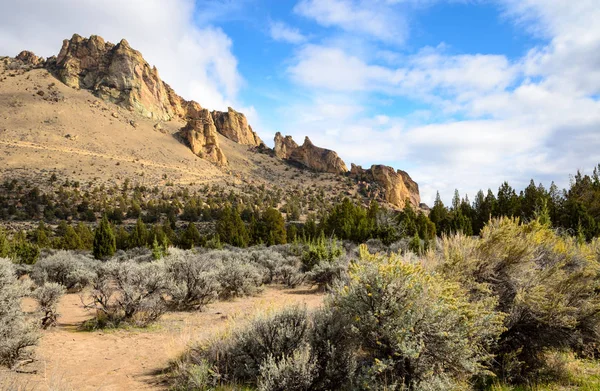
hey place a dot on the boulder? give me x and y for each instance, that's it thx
(201, 135)
(234, 126)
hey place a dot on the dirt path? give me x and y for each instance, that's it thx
(130, 359)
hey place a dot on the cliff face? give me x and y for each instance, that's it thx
(234, 126)
(119, 74)
(284, 146)
(309, 155)
(397, 186)
(201, 135)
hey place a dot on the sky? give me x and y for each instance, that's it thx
(461, 94)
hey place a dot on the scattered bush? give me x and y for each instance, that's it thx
(238, 358)
(238, 279)
(71, 270)
(17, 335)
(290, 373)
(193, 280)
(47, 297)
(128, 292)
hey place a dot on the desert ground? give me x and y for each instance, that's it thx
(135, 359)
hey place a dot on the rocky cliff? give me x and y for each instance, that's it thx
(284, 146)
(234, 126)
(119, 74)
(309, 155)
(397, 186)
(200, 133)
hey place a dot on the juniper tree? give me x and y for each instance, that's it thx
(104, 240)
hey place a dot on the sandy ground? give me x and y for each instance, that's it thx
(68, 359)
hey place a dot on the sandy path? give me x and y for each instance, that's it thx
(132, 359)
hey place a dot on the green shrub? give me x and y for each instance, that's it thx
(545, 283)
(105, 243)
(320, 250)
(415, 329)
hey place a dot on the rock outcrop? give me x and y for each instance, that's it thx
(284, 146)
(119, 74)
(201, 135)
(309, 155)
(397, 186)
(234, 126)
(28, 58)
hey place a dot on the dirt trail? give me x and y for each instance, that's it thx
(131, 359)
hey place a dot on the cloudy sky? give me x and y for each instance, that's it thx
(460, 93)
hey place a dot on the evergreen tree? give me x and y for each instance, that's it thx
(70, 240)
(41, 235)
(190, 238)
(274, 226)
(139, 235)
(104, 240)
(85, 235)
(231, 229)
(439, 215)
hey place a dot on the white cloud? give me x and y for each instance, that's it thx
(196, 61)
(373, 18)
(495, 119)
(284, 33)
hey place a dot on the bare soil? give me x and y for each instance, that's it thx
(135, 359)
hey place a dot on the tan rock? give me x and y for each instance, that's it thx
(284, 146)
(398, 186)
(28, 58)
(309, 155)
(119, 74)
(201, 135)
(234, 126)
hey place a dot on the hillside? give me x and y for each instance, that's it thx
(98, 114)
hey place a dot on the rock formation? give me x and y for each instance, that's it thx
(284, 146)
(28, 58)
(309, 155)
(201, 135)
(234, 126)
(397, 186)
(119, 74)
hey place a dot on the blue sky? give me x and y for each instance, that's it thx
(461, 93)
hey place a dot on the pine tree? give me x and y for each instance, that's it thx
(104, 240)
(139, 235)
(190, 238)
